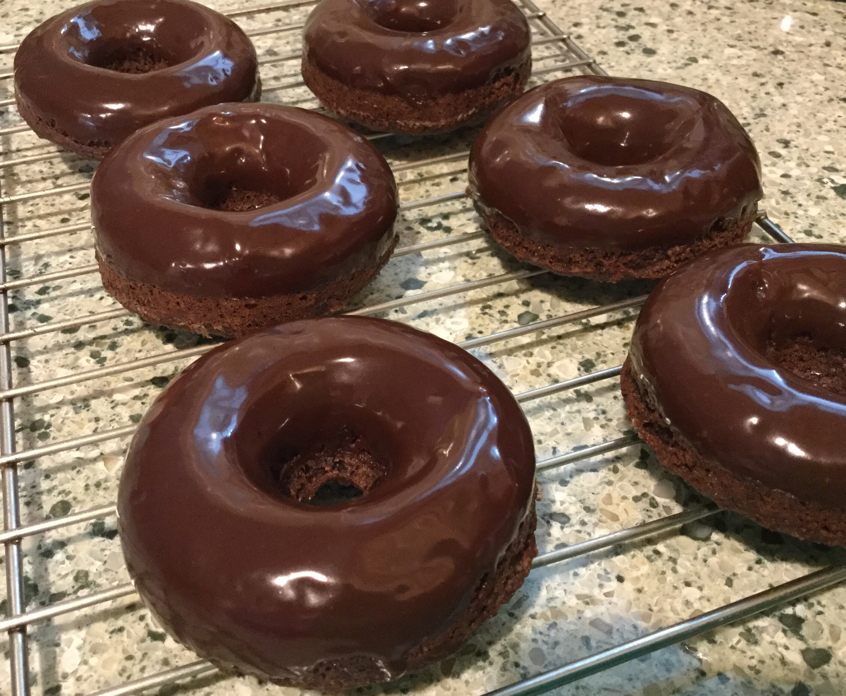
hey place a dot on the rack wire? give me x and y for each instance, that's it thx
(555, 54)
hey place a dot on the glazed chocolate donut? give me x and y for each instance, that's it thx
(241, 216)
(737, 380)
(89, 77)
(222, 536)
(416, 66)
(609, 178)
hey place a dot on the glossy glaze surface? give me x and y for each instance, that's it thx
(416, 49)
(335, 214)
(699, 353)
(275, 586)
(209, 61)
(611, 163)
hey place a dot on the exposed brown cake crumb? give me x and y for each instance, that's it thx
(232, 316)
(132, 60)
(600, 264)
(389, 113)
(771, 508)
(235, 200)
(337, 468)
(823, 366)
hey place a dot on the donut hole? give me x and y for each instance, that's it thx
(617, 126)
(795, 318)
(333, 470)
(135, 37)
(330, 469)
(237, 164)
(324, 457)
(411, 16)
(227, 193)
(805, 356)
(132, 57)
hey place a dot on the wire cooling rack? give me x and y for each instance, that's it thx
(66, 349)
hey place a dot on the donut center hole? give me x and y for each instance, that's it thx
(332, 471)
(236, 161)
(223, 192)
(789, 309)
(617, 127)
(822, 365)
(238, 200)
(412, 16)
(133, 57)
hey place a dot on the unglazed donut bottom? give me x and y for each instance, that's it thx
(241, 216)
(610, 178)
(271, 576)
(416, 67)
(89, 77)
(736, 378)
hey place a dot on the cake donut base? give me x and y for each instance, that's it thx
(389, 113)
(230, 317)
(606, 264)
(48, 130)
(769, 507)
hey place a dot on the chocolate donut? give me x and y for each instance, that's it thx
(222, 536)
(89, 77)
(416, 66)
(737, 380)
(240, 216)
(609, 178)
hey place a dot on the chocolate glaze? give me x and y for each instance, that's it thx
(416, 49)
(209, 61)
(247, 576)
(610, 163)
(699, 353)
(336, 207)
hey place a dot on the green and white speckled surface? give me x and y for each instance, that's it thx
(780, 65)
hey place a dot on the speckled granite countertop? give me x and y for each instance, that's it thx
(781, 67)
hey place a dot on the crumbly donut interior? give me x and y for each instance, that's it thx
(820, 364)
(237, 200)
(133, 58)
(332, 471)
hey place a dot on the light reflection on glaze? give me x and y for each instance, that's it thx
(607, 163)
(87, 30)
(209, 70)
(212, 61)
(276, 586)
(466, 45)
(336, 213)
(698, 352)
(218, 418)
(348, 194)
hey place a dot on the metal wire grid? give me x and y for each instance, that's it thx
(555, 52)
